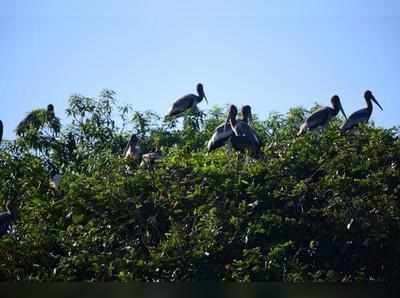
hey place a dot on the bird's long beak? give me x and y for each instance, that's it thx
(205, 97)
(341, 109)
(375, 101)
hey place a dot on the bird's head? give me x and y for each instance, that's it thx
(369, 96)
(231, 116)
(50, 108)
(233, 111)
(335, 100)
(246, 113)
(200, 91)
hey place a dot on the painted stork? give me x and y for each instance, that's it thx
(5, 220)
(321, 117)
(37, 118)
(187, 102)
(224, 132)
(131, 150)
(243, 135)
(150, 158)
(1, 131)
(362, 115)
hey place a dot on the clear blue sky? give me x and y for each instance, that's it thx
(270, 54)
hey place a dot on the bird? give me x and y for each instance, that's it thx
(56, 180)
(223, 133)
(362, 115)
(187, 102)
(131, 150)
(1, 131)
(321, 117)
(37, 119)
(243, 135)
(150, 158)
(5, 220)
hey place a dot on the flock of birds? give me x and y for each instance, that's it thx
(239, 133)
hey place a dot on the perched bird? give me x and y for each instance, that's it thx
(55, 181)
(321, 117)
(1, 131)
(361, 115)
(187, 102)
(150, 158)
(5, 220)
(243, 135)
(131, 150)
(223, 132)
(37, 119)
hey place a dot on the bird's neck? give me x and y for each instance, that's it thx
(369, 105)
(335, 110)
(232, 121)
(199, 98)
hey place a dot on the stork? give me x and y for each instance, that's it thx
(5, 220)
(223, 132)
(150, 158)
(131, 150)
(362, 115)
(187, 102)
(37, 118)
(321, 117)
(1, 131)
(243, 135)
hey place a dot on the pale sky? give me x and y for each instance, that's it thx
(272, 55)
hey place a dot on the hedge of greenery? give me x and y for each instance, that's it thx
(320, 207)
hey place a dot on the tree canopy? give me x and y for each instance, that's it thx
(319, 207)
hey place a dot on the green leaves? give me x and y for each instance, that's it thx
(320, 207)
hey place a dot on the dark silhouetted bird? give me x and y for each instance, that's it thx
(190, 101)
(1, 131)
(322, 117)
(243, 135)
(362, 115)
(39, 118)
(223, 132)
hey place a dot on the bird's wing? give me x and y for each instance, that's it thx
(319, 117)
(182, 104)
(355, 118)
(220, 137)
(244, 129)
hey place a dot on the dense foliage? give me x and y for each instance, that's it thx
(320, 207)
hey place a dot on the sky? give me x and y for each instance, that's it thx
(273, 55)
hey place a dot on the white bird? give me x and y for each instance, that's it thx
(321, 117)
(187, 102)
(362, 115)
